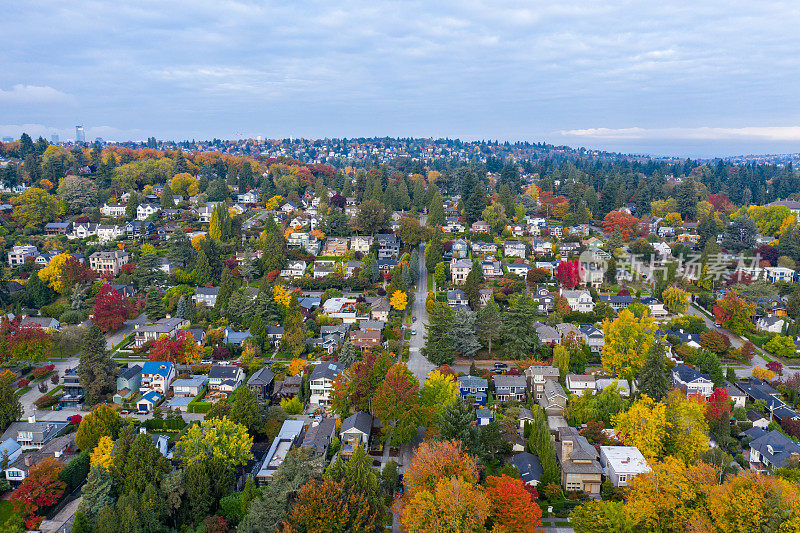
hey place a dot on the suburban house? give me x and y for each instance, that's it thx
(580, 301)
(19, 253)
(62, 448)
(365, 338)
(73, 391)
(514, 249)
(622, 385)
(544, 299)
(691, 381)
(319, 435)
(593, 338)
(484, 416)
(262, 383)
(554, 399)
(379, 309)
(474, 387)
(480, 226)
(225, 378)
(537, 376)
(114, 210)
(621, 463)
(460, 269)
(577, 383)
(288, 437)
(529, 466)
(189, 386)
(541, 246)
(772, 450)
(617, 302)
(508, 387)
(321, 381)
(770, 324)
(460, 249)
(335, 246)
(388, 246)
(776, 274)
(57, 228)
(108, 262)
(480, 247)
(657, 309)
(205, 295)
(737, 396)
(520, 269)
(491, 269)
(157, 375)
(580, 469)
(148, 401)
(143, 211)
(249, 197)
(46, 323)
(33, 435)
(361, 243)
(151, 332)
(356, 430)
(294, 269)
(456, 298)
(128, 380)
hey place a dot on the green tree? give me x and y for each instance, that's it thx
(10, 406)
(137, 462)
(436, 210)
(167, 199)
(519, 338)
(540, 444)
(202, 269)
(294, 336)
(654, 378)
(181, 250)
(439, 342)
(103, 421)
(372, 217)
(272, 246)
(154, 305)
(489, 324)
(97, 371)
(465, 338)
(245, 410)
(455, 423)
(96, 493)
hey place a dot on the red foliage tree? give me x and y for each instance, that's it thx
(718, 406)
(569, 273)
(767, 253)
(75, 272)
(173, 349)
(625, 223)
(511, 506)
(775, 366)
(128, 268)
(714, 341)
(41, 487)
(110, 309)
(721, 202)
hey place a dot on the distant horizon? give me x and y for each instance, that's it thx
(629, 147)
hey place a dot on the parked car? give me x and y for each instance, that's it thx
(500, 365)
(498, 371)
(413, 319)
(124, 412)
(414, 331)
(141, 412)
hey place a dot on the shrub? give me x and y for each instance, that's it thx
(23, 383)
(45, 401)
(42, 371)
(54, 379)
(71, 316)
(292, 406)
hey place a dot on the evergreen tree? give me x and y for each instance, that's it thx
(610, 275)
(227, 286)
(436, 211)
(434, 252)
(519, 336)
(148, 271)
(181, 250)
(374, 271)
(180, 164)
(37, 293)
(540, 444)
(489, 324)
(274, 255)
(202, 269)
(686, 196)
(505, 199)
(154, 305)
(414, 264)
(439, 346)
(455, 423)
(654, 378)
(475, 204)
(465, 338)
(167, 199)
(245, 411)
(97, 493)
(182, 309)
(472, 287)
(294, 335)
(349, 354)
(264, 304)
(97, 372)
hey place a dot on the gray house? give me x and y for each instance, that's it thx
(262, 383)
(355, 432)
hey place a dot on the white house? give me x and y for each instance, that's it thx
(113, 210)
(775, 274)
(460, 269)
(580, 301)
(621, 463)
(18, 254)
(157, 375)
(361, 243)
(295, 269)
(249, 197)
(520, 269)
(577, 383)
(771, 324)
(145, 210)
(514, 249)
(321, 381)
(692, 381)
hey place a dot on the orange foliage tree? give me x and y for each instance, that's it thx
(625, 223)
(511, 507)
(41, 488)
(329, 506)
(454, 505)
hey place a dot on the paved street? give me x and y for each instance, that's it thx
(417, 363)
(127, 327)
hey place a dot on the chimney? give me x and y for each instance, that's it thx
(32, 419)
(566, 449)
(28, 460)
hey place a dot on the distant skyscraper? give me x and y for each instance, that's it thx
(54, 138)
(80, 136)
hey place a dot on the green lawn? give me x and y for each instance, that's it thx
(430, 282)
(5, 510)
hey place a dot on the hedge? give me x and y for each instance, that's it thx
(200, 407)
(168, 423)
(76, 471)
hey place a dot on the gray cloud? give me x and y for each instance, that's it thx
(471, 68)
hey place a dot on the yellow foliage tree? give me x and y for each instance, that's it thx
(101, 455)
(686, 427)
(217, 438)
(53, 273)
(673, 220)
(296, 367)
(439, 391)
(196, 240)
(214, 227)
(35, 207)
(184, 184)
(399, 300)
(762, 373)
(676, 300)
(627, 342)
(274, 202)
(660, 208)
(281, 295)
(644, 426)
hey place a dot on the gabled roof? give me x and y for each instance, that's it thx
(361, 421)
(326, 369)
(130, 372)
(262, 377)
(687, 374)
(224, 372)
(472, 382)
(776, 447)
(160, 368)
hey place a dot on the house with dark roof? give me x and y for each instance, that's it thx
(772, 450)
(474, 387)
(529, 466)
(32, 435)
(225, 378)
(321, 380)
(319, 435)
(617, 302)
(509, 387)
(356, 430)
(262, 383)
(580, 468)
(690, 381)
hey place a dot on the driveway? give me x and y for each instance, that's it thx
(32, 395)
(417, 362)
(127, 328)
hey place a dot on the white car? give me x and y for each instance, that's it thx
(414, 331)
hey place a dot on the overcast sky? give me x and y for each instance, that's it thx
(694, 78)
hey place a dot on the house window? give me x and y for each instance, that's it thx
(622, 478)
(571, 485)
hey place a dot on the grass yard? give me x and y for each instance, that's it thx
(430, 282)
(5, 510)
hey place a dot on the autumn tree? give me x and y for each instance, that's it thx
(399, 300)
(184, 184)
(35, 207)
(644, 426)
(101, 454)
(41, 487)
(110, 309)
(439, 392)
(216, 438)
(355, 387)
(627, 341)
(103, 421)
(734, 313)
(624, 223)
(511, 508)
(397, 404)
(676, 300)
(686, 426)
(454, 505)
(294, 336)
(569, 273)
